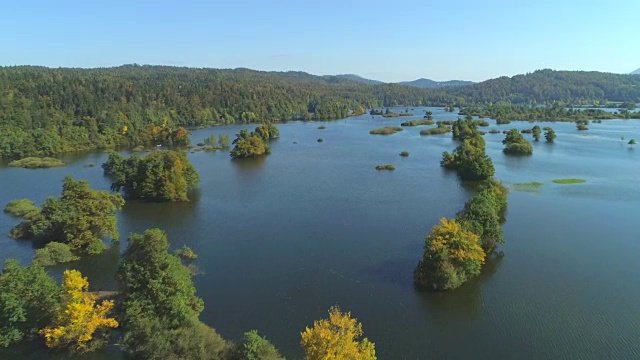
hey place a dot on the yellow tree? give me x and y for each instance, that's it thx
(452, 255)
(79, 318)
(336, 338)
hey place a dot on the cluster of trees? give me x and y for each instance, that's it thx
(67, 316)
(469, 159)
(165, 175)
(456, 249)
(515, 143)
(45, 111)
(255, 143)
(76, 221)
(157, 310)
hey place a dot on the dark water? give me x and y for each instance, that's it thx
(283, 238)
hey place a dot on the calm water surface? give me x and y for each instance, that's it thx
(282, 238)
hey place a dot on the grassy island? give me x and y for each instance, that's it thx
(387, 130)
(36, 163)
(418, 122)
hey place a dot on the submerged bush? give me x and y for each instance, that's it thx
(404, 154)
(54, 253)
(387, 130)
(385, 167)
(23, 208)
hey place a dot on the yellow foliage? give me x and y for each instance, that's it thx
(336, 339)
(79, 317)
(124, 130)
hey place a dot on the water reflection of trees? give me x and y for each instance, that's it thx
(466, 302)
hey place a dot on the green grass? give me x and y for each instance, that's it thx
(36, 163)
(387, 130)
(569, 181)
(385, 167)
(527, 187)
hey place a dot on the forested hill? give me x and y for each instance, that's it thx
(574, 87)
(432, 84)
(46, 111)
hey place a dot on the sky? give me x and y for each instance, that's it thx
(383, 40)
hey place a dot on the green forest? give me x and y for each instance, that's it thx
(46, 111)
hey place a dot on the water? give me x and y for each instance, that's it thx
(282, 238)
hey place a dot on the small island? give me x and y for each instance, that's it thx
(37, 163)
(404, 153)
(385, 167)
(387, 130)
(439, 130)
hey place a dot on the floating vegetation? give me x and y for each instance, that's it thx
(569, 181)
(36, 163)
(404, 154)
(387, 130)
(385, 167)
(321, 127)
(527, 187)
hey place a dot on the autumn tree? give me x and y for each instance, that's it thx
(79, 324)
(29, 299)
(452, 255)
(249, 145)
(337, 338)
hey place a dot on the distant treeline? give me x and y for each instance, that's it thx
(45, 111)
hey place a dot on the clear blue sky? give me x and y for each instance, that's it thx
(384, 40)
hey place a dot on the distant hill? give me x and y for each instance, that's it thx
(353, 78)
(431, 84)
(550, 85)
(637, 72)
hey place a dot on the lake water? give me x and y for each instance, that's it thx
(282, 238)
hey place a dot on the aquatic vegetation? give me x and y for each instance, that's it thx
(404, 153)
(385, 167)
(527, 187)
(569, 181)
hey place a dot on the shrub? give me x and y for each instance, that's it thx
(387, 130)
(36, 163)
(54, 253)
(404, 153)
(385, 167)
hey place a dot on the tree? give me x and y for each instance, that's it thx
(160, 305)
(452, 255)
(79, 319)
(516, 144)
(549, 134)
(159, 176)
(29, 299)
(80, 218)
(536, 132)
(337, 338)
(248, 145)
(470, 160)
(256, 347)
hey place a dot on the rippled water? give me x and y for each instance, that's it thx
(282, 238)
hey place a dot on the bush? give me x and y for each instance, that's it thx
(320, 140)
(515, 144)
(404, 154)
(385, 167)
(23, 208)
(418, 122)
(185, 253)
(321, 127)
(54, 253)
(256, 347)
